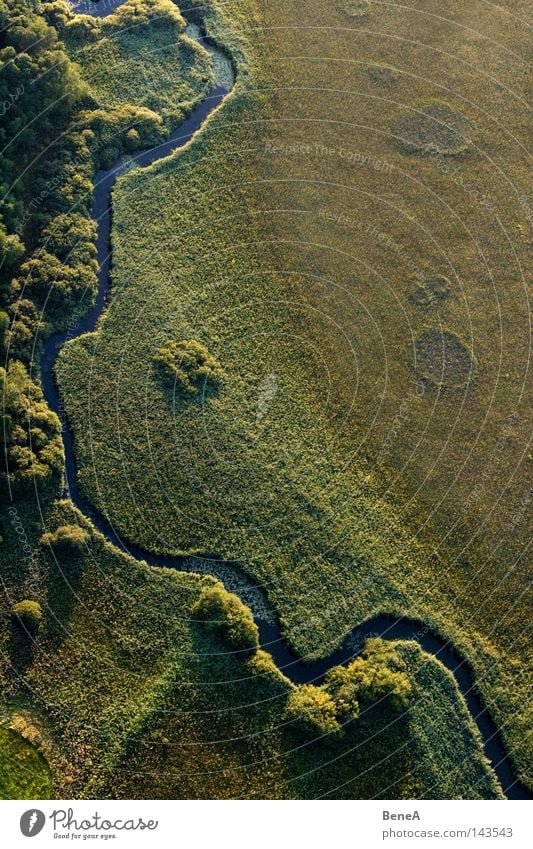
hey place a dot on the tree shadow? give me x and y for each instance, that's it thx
(21, 648)
(63, 585)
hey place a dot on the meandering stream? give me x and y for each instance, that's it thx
(271, 639)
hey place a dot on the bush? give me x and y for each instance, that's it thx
(109, 129)
(67, 539)
(312, 710)
(188, 365)
(225, 614)
(81, 30)
(379, 674)
(28, 614)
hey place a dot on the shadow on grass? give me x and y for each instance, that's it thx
(63, 585)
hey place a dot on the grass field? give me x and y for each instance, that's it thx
(24, 773)
(155, 65)
(367, 448)
(131, 697)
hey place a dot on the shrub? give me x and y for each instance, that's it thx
(81, 30)
(188, 365)
(312, 710)
(225, 613)
(379, 674)
(67, 539)
(29, 614)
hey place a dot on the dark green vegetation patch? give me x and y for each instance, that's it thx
(355, 8)
(433, 289)
(188, 366)
(442, 358)
(434, 129)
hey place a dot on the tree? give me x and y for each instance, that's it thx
(21, 334)
(187, 365)
(140, 13)
(67, 539)
(312, 710)
(71, 238)
(378, 675)
(225, 614)
(55, 285)
(28, 614)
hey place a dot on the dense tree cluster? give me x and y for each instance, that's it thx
(39, 87)
(139, 13)
(378, 676)
(53, 138)
(225, 614)
(33, 451)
